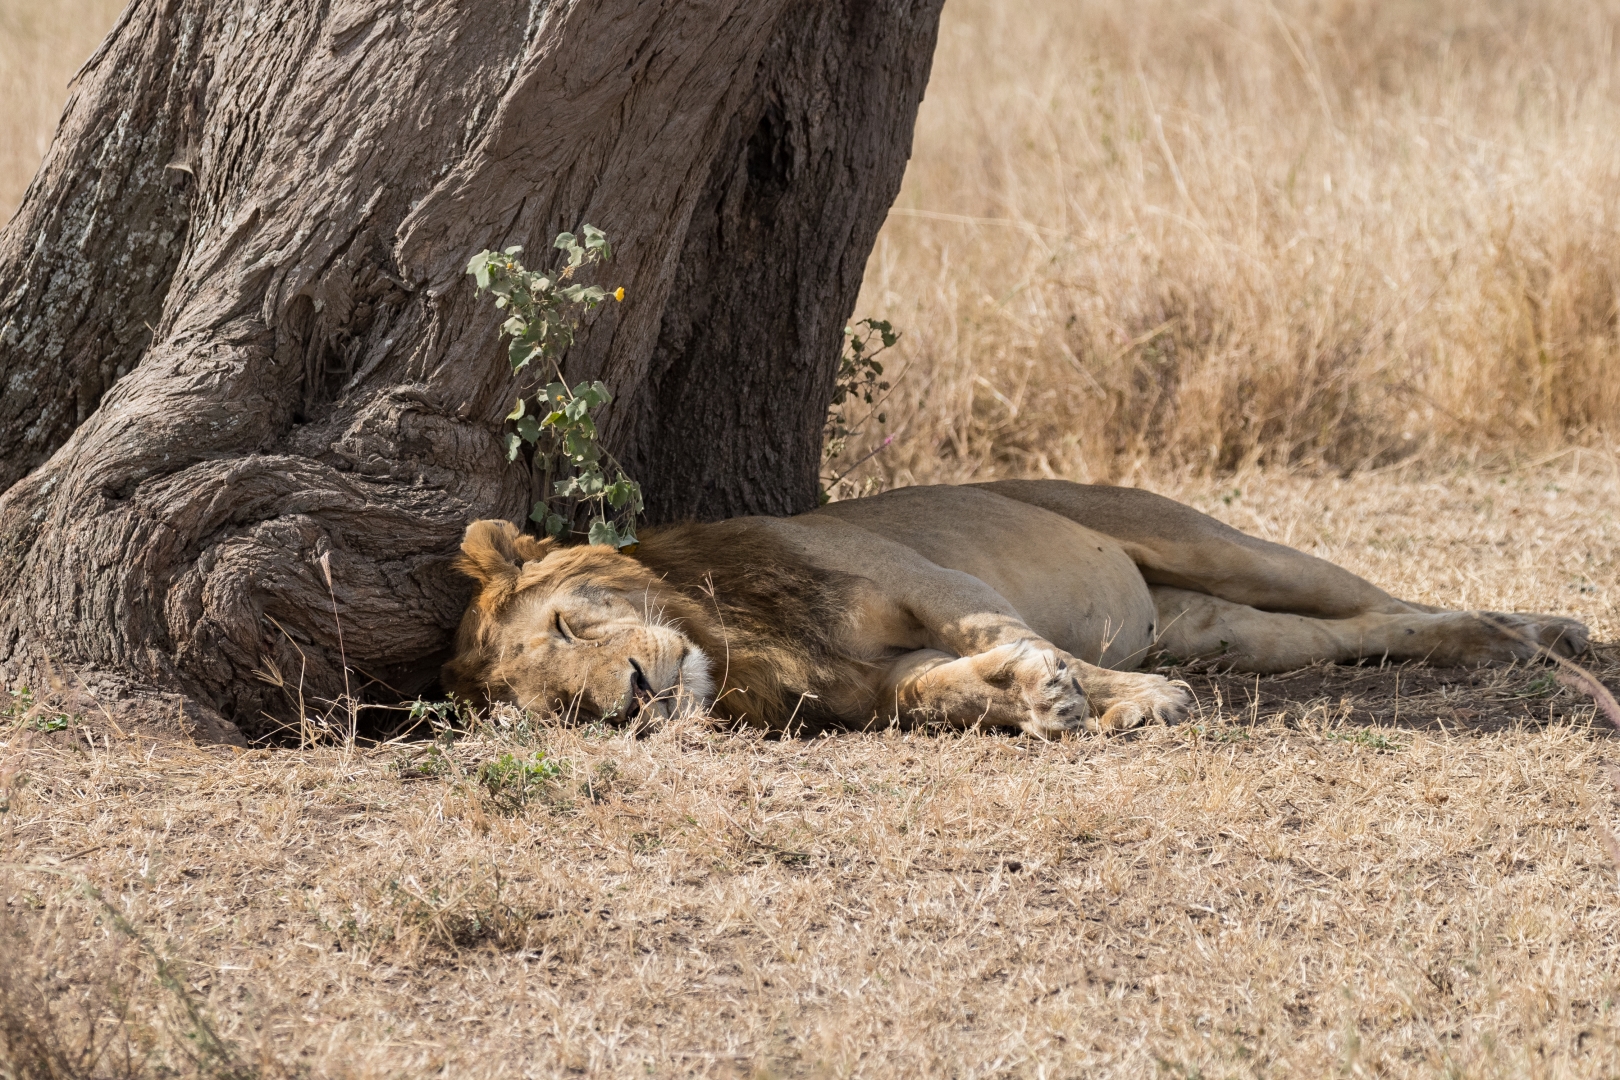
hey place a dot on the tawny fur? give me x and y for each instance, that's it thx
(1019, 603)
(764, 617)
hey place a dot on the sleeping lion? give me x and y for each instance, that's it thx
(1022, 604)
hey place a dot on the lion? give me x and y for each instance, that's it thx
(1023, 604)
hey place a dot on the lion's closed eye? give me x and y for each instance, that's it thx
(563, 629)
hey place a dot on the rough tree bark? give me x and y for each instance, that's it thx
(236, 339)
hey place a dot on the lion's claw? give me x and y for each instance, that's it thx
(1128, 699)
(1078, 697)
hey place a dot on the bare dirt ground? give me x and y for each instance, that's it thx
(1375, 871)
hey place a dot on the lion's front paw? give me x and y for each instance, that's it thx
(1125, 699)
(1065, 694)
(1052, 692)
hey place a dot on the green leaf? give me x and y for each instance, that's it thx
(557, 395)
(555, 525)
(520, 352)
(564, 241)
(580, 441)
(596, 240)
(577, 409)
(478, 267)
(553, 419)
(588, 295)
(515, 249)
(529, 429)
(538, 514)
(517, 410)
(603, 532)
(567, 487)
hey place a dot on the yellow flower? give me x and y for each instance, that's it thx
(618, 294)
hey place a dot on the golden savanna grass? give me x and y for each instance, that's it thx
(1196, 233)
(1343, 275)
(42, 43)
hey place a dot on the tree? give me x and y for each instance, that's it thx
(238, 348)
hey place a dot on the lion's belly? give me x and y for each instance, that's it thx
(1075, 587)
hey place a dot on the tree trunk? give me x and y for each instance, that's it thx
(238, 345)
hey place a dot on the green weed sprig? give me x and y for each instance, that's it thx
(860, 381)
(558, 422)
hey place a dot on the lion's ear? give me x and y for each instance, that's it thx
(489, 556)
(530, 549)
(492, 553)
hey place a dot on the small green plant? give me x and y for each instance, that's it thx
(511, 781)
(22, 703)
(1543, 685)
(26, 708)
(444, 718)
(555, 421)
(1368, 738)
(430, 764)
(860, 382)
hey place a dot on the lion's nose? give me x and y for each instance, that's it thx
(641, 691)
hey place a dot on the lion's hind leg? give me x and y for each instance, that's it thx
(1175, 545)
(1194, 625)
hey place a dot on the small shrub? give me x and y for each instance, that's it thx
(511, 782)
(556, 422)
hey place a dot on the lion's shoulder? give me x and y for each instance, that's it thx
(776, 614)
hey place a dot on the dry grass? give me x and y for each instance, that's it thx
(1393, 872)
(1224, 231)
(41, 46)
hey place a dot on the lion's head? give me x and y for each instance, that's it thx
(584, 630)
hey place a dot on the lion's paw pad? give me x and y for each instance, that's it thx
(1126, 700)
